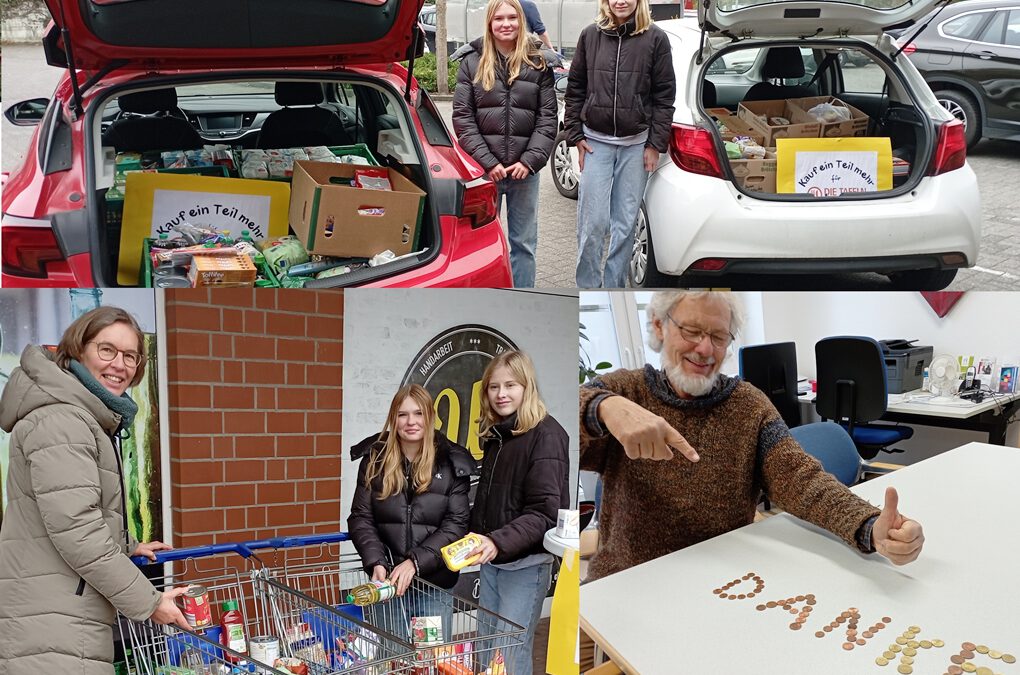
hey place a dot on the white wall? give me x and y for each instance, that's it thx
(385, 329)
(980, 324)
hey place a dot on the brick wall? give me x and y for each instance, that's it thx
(255, 405)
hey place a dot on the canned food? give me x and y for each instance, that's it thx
(172, 282)
(196, 607)
(264, 648)
(170, 271)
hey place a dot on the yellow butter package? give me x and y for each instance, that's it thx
(456, 554)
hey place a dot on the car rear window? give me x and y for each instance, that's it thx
(964, 27)
(994, 32)
(1013, 28)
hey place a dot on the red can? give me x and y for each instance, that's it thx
(196, 607)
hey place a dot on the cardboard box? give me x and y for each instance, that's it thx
(857, 125)
(736, 126)
(221, 271)
(756, 175)
(753, 113)
(332, 218)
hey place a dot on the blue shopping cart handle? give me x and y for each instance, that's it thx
(244, 550)
(298, 540)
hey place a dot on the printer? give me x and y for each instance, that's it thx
(904, 364)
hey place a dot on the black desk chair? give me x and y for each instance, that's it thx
(852, 391)
(773, 369)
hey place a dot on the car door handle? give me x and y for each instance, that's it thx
(985, 55)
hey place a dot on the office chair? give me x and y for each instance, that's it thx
(831, 445)
(773, 369)
(852, 391)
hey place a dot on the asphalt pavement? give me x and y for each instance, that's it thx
(997, 164)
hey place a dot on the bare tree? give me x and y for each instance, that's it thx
(442, 58)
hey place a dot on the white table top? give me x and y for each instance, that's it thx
(662, 617)
(557, 545)
(919, 403)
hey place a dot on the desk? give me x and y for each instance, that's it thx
(662, 617)
(991, 416)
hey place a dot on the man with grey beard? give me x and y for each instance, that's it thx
(686, 452)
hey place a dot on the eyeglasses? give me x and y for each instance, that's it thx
(108, 352)
(696, 335)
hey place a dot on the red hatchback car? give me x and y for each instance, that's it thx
(155, 75)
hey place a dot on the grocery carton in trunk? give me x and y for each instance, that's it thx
(841, 120)
(331, 217)
(756, 175)
(777, 119)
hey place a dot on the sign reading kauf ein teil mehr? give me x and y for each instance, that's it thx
(157, 202)
(829, 167)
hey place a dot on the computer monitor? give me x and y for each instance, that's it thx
(773, 369)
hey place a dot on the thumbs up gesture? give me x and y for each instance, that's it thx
(896, 537)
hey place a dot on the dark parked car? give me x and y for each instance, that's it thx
(970, 57)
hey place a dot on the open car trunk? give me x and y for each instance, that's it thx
(815, 120)
(335, 184)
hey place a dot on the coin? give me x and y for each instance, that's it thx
(799, 598)
(907, 660)
(880, 624)
(957, 659)
(905, 669)
(751, 594)
(968, 667)
(886, 619)
(795, 626)
(954, 670)
(827, 629)
(984, 670)
(981, 649)
(994, 654)
(910, 651)
(868, 634)
(882, 661)
(741, 596)
(889, 655)
(848, 646)
(1008, 658)
(861, 641)
(913, 644)
(760, 608)
(819, 634)
(895, 648)
(770, 604)
(938, 643)
(969, 646)
(925, 644)
(967, 653)
(915, 629)
(901, 640)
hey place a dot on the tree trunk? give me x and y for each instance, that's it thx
(442, 58)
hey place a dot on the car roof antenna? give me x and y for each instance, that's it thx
(65, 35)
(942, 6)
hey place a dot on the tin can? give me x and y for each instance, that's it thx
(264, 648)
(172, 282)
(196, 607)
(170, 271)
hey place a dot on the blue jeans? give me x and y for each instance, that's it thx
(515, 595)
(394, 615)
(522, 224)
(609, 197)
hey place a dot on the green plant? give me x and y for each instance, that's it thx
(587, 373)
(425, 73)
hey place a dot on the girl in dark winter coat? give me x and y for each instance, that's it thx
(410, 501)
(504, 114)
(618, 110)
(523, 485)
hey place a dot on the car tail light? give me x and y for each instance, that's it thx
(479, 207)
(951, 149)
(709, 265)
(910, 48)
(32, 252)
(693, 149)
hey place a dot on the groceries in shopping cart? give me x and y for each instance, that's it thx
(497, 666)
(371, 593)
(291, 665)
(232, 629)
(458, 554)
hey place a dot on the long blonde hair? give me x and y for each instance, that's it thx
(525, 51)
(389, 462)
(532, 410)
(606, 20)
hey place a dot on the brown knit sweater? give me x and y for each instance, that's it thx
(651, 508)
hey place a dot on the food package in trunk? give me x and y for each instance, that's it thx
(222, 271)
(756, 175)
(837, 118)
(778, 119)
(730, 126)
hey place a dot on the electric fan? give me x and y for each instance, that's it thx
(943, 377)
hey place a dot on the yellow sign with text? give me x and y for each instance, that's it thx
(157, 203)
(830, 167)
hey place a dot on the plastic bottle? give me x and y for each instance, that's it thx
(232, 634)
(371, 593)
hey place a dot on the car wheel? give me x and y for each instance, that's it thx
(564, 167)
(922, 280)
(643, 272)
(963, 108)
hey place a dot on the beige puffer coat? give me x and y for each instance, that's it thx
(63, 567)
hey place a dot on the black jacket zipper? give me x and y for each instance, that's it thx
(488, 490)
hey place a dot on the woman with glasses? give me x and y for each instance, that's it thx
(64, 544)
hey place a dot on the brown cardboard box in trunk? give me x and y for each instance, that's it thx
(735, 125)
(332, 218)
(753, 111)
(857, 125)
(221, 271)
(756, 175)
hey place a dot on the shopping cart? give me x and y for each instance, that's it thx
(444, 634)
(333, 642)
